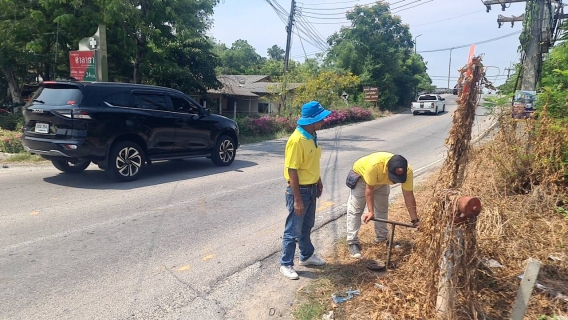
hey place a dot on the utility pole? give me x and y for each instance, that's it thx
(509, 72)
(533, 52)
(450, 67)
(415, 45)
(289, 38)
(539, 34)
(287, 58)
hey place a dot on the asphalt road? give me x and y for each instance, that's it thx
(188, 240)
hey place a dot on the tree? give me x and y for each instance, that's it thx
(326, 88)
(378, 48)
(241, 58)
(276, 53)
(151, 24)
(148, 40)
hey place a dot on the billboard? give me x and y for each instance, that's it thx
(371, 94)
(523, 104)
(83, 65)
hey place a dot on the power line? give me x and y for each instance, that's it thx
(476, 43)
(406, 4)
(420, 4)
(463, 15)
(362, 5)
(325, 3)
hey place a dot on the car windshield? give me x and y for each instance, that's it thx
(427, 97)
(58, 95)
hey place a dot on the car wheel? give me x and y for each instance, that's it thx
(436, 110)
(414, 113)
(68, 166)
(126, 161)
(444, 109)
(224, 152)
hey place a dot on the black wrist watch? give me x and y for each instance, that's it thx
(415, 221)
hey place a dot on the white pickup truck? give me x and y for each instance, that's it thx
(428, 103)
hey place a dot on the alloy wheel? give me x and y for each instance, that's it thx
(226, 151)
(128, 162)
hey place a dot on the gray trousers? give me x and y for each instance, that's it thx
(356, 206)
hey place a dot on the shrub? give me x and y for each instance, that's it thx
(270, 125)
(11, 121)
(11, 142)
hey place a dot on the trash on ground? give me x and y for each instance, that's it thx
(554, 294)
(328, 316)
(554, 258)
(341, 297)
(376, 265)
(380, 286)
(491, 263)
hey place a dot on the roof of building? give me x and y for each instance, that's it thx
(248, 85)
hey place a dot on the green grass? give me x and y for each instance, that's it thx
(309, 311)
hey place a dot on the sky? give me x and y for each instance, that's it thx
(436, 24)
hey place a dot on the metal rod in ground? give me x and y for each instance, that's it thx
(394, 222)
(391, 241)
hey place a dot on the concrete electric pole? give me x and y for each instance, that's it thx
(289, 38)
(538, 35)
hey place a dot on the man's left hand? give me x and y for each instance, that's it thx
(320, 189)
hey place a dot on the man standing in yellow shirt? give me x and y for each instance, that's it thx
(377, 172)
(302, 171)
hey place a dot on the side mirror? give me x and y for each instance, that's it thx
(207, 112)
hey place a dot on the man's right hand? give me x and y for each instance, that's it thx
(298, 206)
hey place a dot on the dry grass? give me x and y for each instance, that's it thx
(521, 181)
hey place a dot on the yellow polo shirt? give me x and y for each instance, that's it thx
(374, 171)
(303, 155)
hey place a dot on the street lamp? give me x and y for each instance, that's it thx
(450, 67)
(415, 43)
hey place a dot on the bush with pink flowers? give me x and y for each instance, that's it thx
(272, 125)
(11, 141)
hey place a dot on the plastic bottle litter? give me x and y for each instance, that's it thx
(341, 297)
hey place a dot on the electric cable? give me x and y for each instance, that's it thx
(463, 15)
(476, 43)
(351, 7)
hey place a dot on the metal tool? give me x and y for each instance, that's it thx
(391, 240)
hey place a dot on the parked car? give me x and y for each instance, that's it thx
(122, 127)
(428, 103)
(456, 90)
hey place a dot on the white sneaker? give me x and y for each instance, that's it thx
(289, 272)
(314, 260)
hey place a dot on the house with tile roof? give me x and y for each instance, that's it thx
(246, 95)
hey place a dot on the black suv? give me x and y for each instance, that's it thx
(122, 127)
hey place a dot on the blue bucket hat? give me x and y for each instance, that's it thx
(312, 112)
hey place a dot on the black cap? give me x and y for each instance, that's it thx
(398, 167)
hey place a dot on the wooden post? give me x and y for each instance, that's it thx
(221, 105)
(525, 291)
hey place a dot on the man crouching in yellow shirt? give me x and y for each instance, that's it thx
(375, 173)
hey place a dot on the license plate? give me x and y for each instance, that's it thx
(42, 128)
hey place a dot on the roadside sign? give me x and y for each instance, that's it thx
(371, 94)
(83, 66)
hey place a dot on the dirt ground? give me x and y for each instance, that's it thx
(506, 240)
